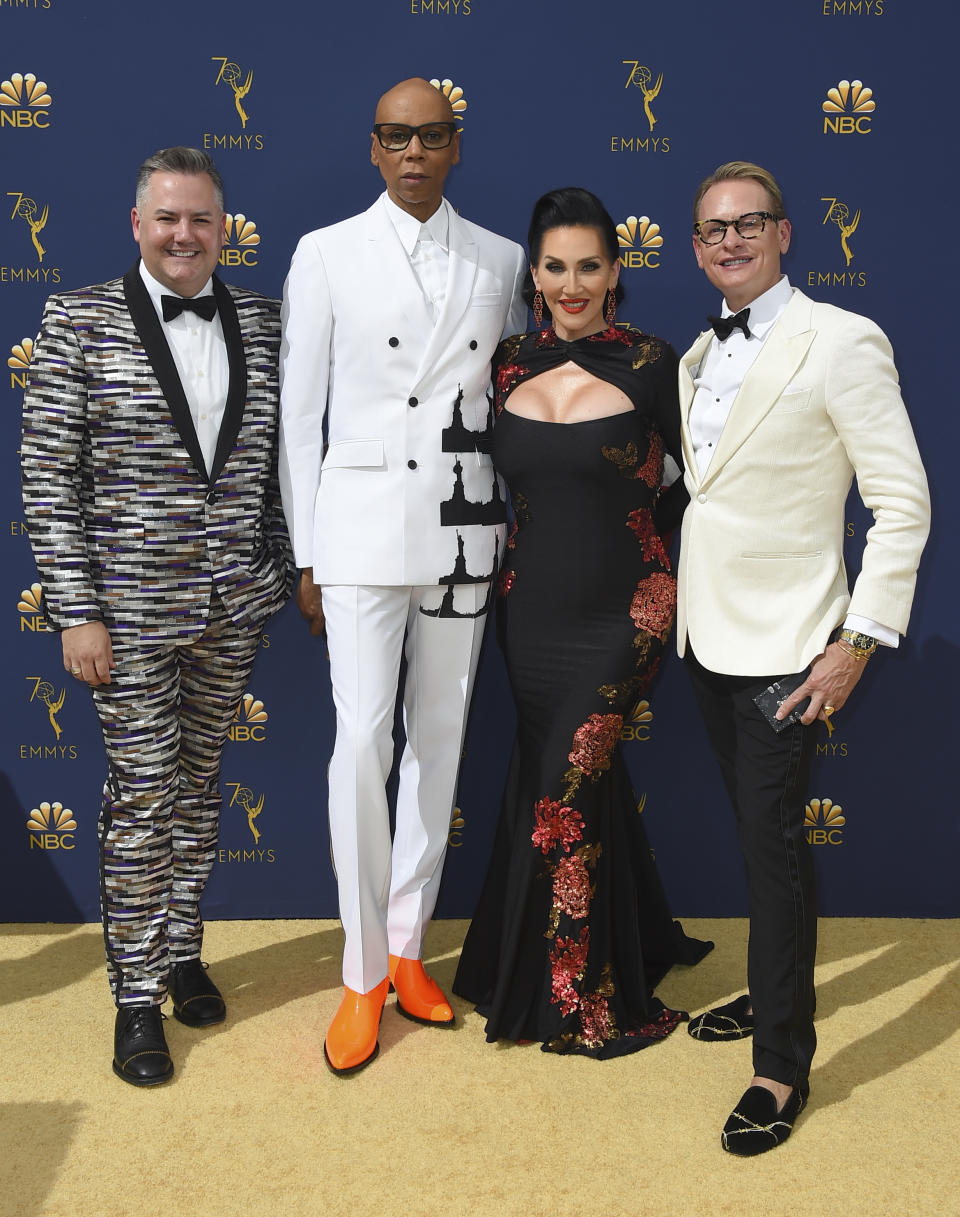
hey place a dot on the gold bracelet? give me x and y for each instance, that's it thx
(854, 652)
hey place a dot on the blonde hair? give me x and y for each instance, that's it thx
(736, 170)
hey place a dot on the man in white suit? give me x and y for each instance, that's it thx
(783, 402)
(396, 517)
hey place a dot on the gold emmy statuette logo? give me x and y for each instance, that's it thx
(30, 607)
(839, 213)
(457, 823)
(454, 94)
(242, 240)
(244, 796)
(19, 360)
(230, 73)
(51, 826)
(248, 722)
(640, 243)
(641, 77)
(43, 691)
(824, 821)
(847, 108)
(638, 728)
(24, 102)
(26, 209)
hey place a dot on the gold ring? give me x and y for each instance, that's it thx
(829, 710)
(74, 671)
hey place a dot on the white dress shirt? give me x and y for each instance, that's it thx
(200, 353)
(721, 373)
(427, 245)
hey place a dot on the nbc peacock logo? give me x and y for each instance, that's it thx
(824, 821)
(24, 102)
(30, 608)
(457, 825)
(848, 109)
(249, 722)
(19, 359)
(640, 243)
(51, 826)
(454, 94)
(637, 727)
(242, 241)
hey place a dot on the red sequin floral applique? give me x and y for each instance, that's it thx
(505, 581)
(654, 603)
(572, 889)
(546, 338)
(507, 376)
(651, 471)
(597, 1021)
(613, 334)
(568, 959)
(595, 740)
(556, 826)
(641, 522)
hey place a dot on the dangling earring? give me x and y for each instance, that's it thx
(538, 308)
(611, 310)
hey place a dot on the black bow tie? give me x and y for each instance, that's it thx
(203, 306)
(723, 327)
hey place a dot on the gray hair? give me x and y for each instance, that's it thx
(178, 160)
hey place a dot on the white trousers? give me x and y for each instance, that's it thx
(387, 891)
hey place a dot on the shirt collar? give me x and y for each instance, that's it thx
(766, 308)
(156, 290)
(409, 229)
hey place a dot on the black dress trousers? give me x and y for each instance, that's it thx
(766, 776)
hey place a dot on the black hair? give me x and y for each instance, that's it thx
(569, 207)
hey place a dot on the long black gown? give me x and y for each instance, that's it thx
(573, 931)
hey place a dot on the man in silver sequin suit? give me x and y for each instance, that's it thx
(150, 493)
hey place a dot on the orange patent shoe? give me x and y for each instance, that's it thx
(351, 1040)
(418, 997)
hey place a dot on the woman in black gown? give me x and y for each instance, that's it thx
(573, 930)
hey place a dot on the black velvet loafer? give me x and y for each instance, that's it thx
(755, 1125)
(729, 1022)
(140, 1054)
(196, 999)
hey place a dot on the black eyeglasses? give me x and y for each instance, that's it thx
(395, 136)
(749, 225)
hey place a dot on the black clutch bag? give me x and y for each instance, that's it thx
(773, 696)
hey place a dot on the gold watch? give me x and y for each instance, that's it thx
(860, 646)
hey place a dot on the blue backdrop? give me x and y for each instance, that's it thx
(845, 100)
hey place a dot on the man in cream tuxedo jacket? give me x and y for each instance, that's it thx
(783, 402)
(396, 517)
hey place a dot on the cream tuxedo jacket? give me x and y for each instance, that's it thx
(385, 469)
(761, 579)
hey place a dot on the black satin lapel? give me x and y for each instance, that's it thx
(148, 326)
(237, 391)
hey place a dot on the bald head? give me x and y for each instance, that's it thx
(414, 111)
(414, 92)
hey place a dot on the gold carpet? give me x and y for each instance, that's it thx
(444, 1124)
